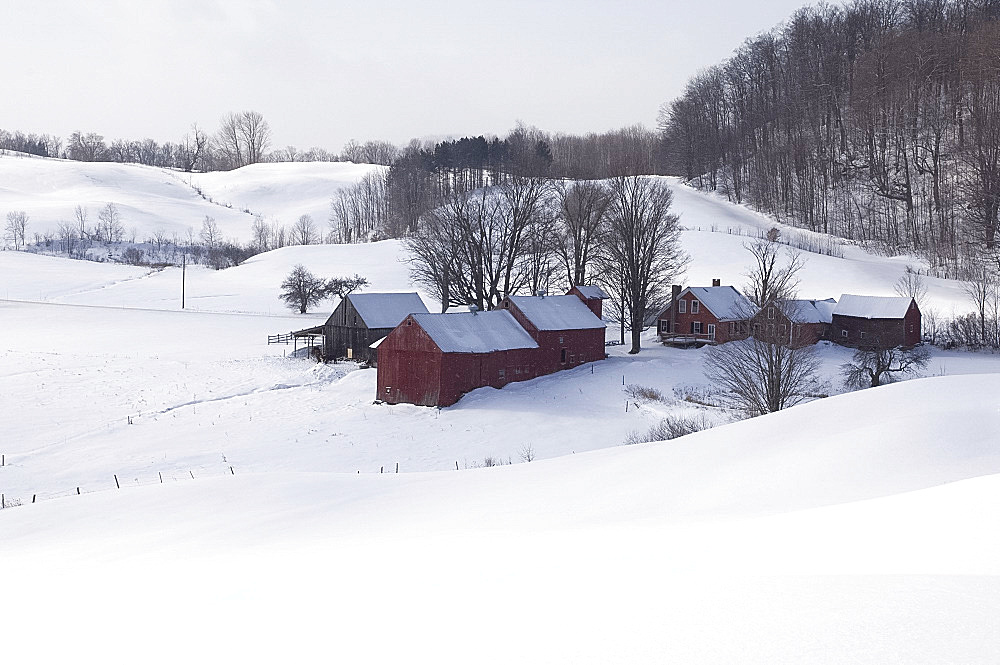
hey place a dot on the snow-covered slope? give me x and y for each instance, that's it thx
(200, 496)
(152, 199)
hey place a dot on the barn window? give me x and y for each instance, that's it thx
(770, 312)
(506, 305)
(695, 306)
(503, 374)
(682, 306)
(732, 327)
(560, 340)
(843, 333)
(388, 389)
(562, 356)
(355, 320)
(409, 323)
(783, 328)
(911, 327)
(664, 325)
(862, 334)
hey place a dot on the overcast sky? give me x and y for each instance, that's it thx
(324, 72)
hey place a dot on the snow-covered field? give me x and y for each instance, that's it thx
(231, 505)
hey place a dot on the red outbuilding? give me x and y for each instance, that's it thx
(567, 330)
(433, 359)
(876, 322)
(794, 323)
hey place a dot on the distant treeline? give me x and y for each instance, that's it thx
(877, 121)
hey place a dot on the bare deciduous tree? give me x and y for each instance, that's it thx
(210, 234)
(771, 279)
(760, 377)
(875, 366)
(109, 224)
(642, 255)
(304, 231)
(17, 228)
(242, 139)
(579, 225)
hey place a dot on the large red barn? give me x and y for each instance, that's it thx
(433, 359)
(875, 321)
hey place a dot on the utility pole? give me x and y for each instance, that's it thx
(183, 278)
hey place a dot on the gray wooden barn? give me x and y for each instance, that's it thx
(364, 318)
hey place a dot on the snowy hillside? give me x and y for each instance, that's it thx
(153, 199)
(200, 495)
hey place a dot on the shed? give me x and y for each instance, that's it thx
(794, 323)
(433, 359)
(362, 318)
(875, 321)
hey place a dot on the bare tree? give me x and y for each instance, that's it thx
(771, 279)
(302, 289)
(911, 285)
(304, 231)
(875, 366)
(760, 377)
(68, 237)
(642, 255)
(260, 234)
(243, 138)
(210, 234)
(17, 228)
(109, 226)
(981, 287)
(579, 225)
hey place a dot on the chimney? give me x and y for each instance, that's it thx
(716, 282)
(540, 293)
(473, 309)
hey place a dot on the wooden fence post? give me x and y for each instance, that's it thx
(116, 482)
(397, 467)
(77, 490)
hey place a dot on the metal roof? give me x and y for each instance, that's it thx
(725, 302)
(808, 311)
(386, 310)
(479, 332)
(873, 307)
(557, 312)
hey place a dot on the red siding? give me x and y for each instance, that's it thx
(725, 331)
(781, 330)
(409, 366)
(885, 333)
(580, 346)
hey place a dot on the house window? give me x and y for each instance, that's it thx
(682, 306)
(503, 374)
(770, 312)
(560, 340)
(711, 331)
(843, 333)
(694, 306)
(696, 327)
(732, 327)
(562, 356)
(664, 326)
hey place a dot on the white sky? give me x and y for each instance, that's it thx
(326, 72)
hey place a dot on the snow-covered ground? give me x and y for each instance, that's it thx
(231, 505)
(152, 199)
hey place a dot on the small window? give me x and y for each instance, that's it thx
(562, 356)
(911, 327)
(388, 389)
(503, 374)
(560, 340)
(862, 334)
(711, 331)
(664, 326)
(355, 320)
(732, 327)
(506, 304)
(682, 306)
(783, 329)
(694, 306)
(843, 333)
(770, 312)
(409, 323)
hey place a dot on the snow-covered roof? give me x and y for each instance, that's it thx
(479, 332)
(386, 310)
(725, 302)
(557, 312)
(872, 307)
(808, 311)
(591, 292)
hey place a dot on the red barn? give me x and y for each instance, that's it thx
(433, 359)
(567, 331)
(705, 315)
(794, 323)
(876, 322)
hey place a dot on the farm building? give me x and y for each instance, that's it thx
(363, 318)
(875, 321)
(567, 330)
(433, 359)
(592, 296)
(705, 315)
(794, 323)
